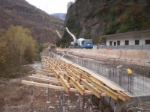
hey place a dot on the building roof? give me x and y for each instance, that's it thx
(119, 34)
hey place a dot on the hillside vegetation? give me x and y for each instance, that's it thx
(20, 12)
(16, 49)
(24, 30)
(94, 18)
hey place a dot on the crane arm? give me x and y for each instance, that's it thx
(74, 38)
(59, 34)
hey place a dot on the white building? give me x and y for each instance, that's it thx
(129, 38)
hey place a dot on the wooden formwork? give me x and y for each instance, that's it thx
(65, 76)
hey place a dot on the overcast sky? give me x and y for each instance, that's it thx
(51, 6)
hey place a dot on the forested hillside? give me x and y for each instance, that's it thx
(20, 12)
(94, 18)
(16, 49)
(23, 31)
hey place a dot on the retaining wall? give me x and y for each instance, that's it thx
(125, 55)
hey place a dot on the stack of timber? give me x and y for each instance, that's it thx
(64, 76)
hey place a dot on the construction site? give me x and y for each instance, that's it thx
(84, 80)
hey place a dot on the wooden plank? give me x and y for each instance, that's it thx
(93, 82)
(99, 86)
(56, 81)
(77, 86)
(72, 81)
(92, 89)
(42, 76)
(100, 78)
(60, 88)
(62, 80)
(65, 85)
(42, 85)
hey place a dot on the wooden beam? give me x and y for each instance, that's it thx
(84, 82)
(60, 88)
(54, 81)
(42, 76)
(76, 76)
(99, 86)
(65, 85)
(42, 85)
(72, 81)
(77, 86)
(89, 78)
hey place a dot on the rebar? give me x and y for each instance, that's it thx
(137, 83)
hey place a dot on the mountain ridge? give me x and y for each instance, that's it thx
(61, 16)
(41, 24)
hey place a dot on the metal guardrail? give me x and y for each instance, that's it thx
(136, 47)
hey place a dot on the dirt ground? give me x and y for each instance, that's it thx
(15, 97)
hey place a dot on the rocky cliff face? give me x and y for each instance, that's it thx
(94, 18)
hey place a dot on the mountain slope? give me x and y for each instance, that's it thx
(94, 18)
(20, 12)
(61, 16)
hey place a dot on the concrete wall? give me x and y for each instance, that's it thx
(125, 55)
(131, 36)
(136, 101)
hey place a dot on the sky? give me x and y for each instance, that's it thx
(51, 6)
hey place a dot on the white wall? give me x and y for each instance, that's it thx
(142, 36)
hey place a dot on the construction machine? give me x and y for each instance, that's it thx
(81, 42)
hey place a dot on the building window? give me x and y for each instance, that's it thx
(118, 43)
(110, 43)
(114, 43)
(137, 42)
(126, 42)
(147, 42)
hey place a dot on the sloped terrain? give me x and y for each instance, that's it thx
(20, 12)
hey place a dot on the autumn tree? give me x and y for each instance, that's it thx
(17, 48)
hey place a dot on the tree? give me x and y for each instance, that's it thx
(17, 48)
(101, 40)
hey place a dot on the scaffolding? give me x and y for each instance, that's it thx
(116, 71)
(65, 77)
